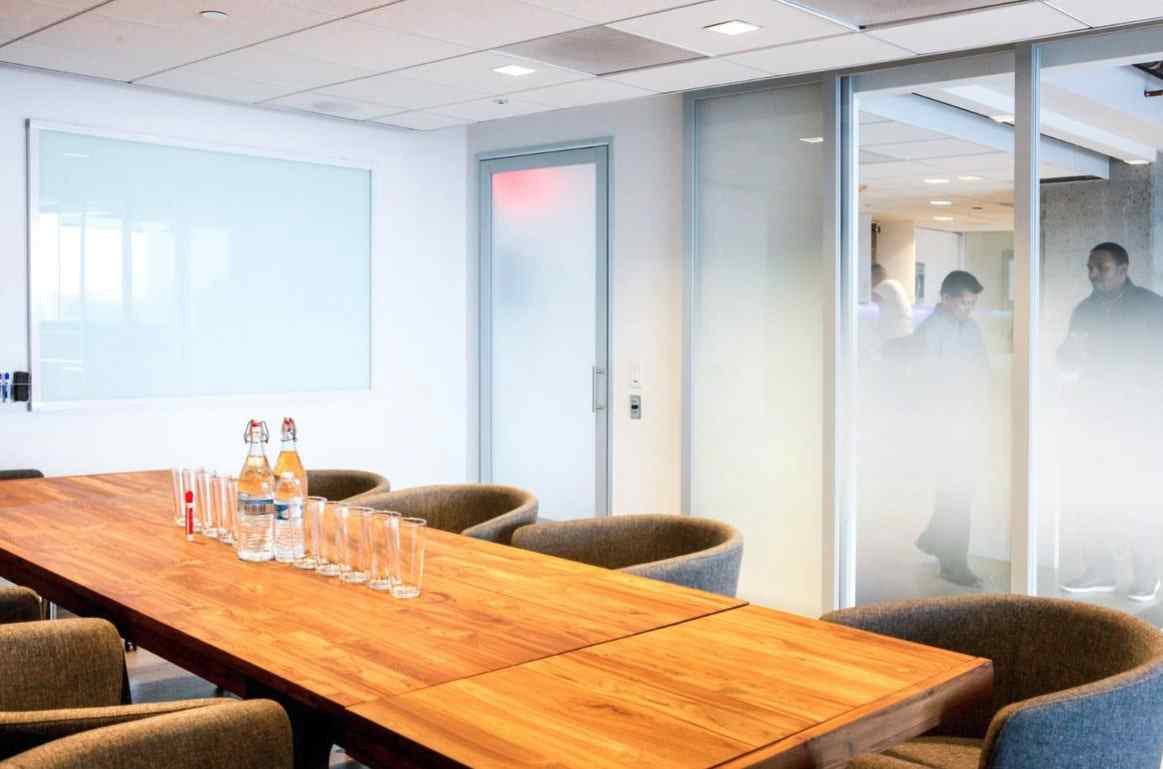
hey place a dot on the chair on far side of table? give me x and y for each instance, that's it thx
(1075, 686)
(19, 475)
(345, 485)
(19, 604)
(695, 552)
(480, 510)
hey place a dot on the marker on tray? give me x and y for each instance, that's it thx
(189, 516)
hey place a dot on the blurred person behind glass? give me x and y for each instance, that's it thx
(1114, 352)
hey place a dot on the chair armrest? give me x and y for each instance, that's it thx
(68, 663)
(27, 729)
(18, 604)
(501, 528)
(235, 735)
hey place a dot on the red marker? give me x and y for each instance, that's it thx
(190, 516)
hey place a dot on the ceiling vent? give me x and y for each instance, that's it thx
(600, 51)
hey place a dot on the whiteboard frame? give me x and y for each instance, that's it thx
(36, 401)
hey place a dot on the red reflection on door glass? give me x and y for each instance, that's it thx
(528, 191)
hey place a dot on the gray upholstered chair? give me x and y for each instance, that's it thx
(19, 604)
(18, 475)
(479, 510)
(345, 485)
(1076, 686)
(695, 552)
(225, 735)
(65, 677)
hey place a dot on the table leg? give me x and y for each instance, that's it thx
(312, 732)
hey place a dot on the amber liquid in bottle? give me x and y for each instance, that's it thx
(256, 499)
(288, 460)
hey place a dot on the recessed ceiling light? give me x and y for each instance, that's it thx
(1002, 118)
(1137, 162)
(940, 202)
(733, 27)
(214, 15)
(514, 70)
(969, 178)
(936, 181)
(942, 218)
(812, 139)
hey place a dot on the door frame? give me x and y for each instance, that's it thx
(597, 151)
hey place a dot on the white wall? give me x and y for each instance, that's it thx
(646, 269)
(940, 252)
(896, 249)
(411, 427)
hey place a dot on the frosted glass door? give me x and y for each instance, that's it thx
(544, 328)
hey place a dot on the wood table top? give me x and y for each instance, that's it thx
(509, 658)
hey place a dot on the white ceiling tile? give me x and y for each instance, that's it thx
(891, 132)
(297, 72)
(186, 80)
(322, 103)
(333, 9)
(814, 55)
(420, 121)
(361, 45)
(405, 92)
(492, 109)
(778, 22)
(688, 75)
(593, 91)
(603, 11)
(992, 26)
(938, 148)
(475, 23)
(1098, 14)
(475, 72)
(19, 17)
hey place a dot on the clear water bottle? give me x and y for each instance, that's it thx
(288, 519)
(256, 498)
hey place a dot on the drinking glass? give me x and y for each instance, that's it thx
(385, 532)
(329, 556)
(225, 492)
(203, 512)
(356, 544)
(178, 487)
(408, 571)
(188, 485)
(312, 526)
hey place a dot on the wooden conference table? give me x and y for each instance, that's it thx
(508, 659)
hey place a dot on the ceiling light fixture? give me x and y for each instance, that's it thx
(1137, 162)
(812, 139)
(969, 178)
(732, 27)
(1002, 118)
(942, 218)
(936, 181)
(514, 70)
(214, 15)
(940, 202)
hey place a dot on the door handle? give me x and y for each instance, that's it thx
(599, 374)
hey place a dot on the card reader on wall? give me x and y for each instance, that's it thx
(21, 386)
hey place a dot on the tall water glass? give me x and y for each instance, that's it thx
(385, 534)
(225, 506)
(203, 510)
(408, 573)
(356, 544)
(312, 515)
(178, 488)
(188, 485)
(329, 556)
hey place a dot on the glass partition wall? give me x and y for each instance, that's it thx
(993, 332)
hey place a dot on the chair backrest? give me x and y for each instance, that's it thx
(1039, 646)
(344, 485)
(17, 475)
(480, 510)
(695, 552)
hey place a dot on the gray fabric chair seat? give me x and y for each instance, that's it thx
(19, 475)
(695, 552)
(345, 485)
(1076, 686)
(480, 510)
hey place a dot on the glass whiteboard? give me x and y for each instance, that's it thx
(166, 271)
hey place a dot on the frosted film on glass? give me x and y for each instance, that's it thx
(543, 302)
(162, 271)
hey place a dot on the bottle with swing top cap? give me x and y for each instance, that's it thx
(256, 497)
